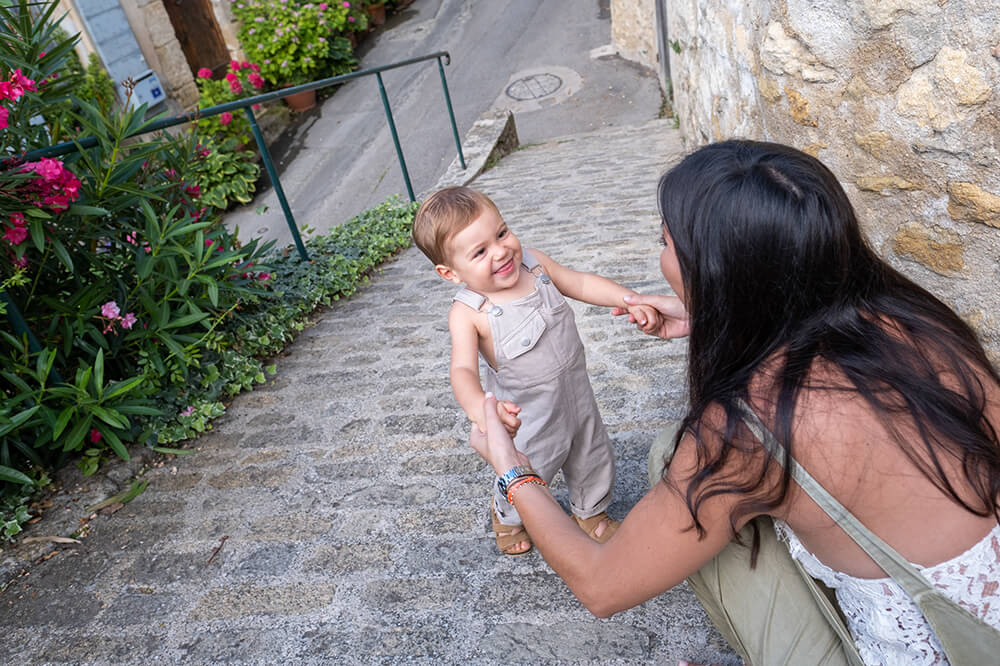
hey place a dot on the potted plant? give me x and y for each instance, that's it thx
(243, 79)
(292, 40)
(376, 11)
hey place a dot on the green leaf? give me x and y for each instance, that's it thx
(62, 254)
(63, 421)
(111, 417)
(13, 476)
(213, 293)
(122, 387)
(75, 437)
(37, 234)
(80, 209)
(116, 444)
(99, 373)
(173, 452)
(187, 320)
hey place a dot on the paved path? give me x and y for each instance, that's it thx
(351, 513)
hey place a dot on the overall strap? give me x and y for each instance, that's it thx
(528, 260)
(470, 298)
(934, 605)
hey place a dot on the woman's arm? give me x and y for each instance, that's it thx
(652, 551)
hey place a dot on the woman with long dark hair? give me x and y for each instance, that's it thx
(827, 392)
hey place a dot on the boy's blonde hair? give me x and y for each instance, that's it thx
(445, 213)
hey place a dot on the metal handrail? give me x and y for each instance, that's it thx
(247, 103)
(14, 315)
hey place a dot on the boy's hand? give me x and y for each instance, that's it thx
(673, 317)
(507, 411)
(645, 317)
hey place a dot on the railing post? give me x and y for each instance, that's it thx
(395, 137)
(265, 156)
(451, 114)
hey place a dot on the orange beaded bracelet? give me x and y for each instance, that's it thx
(533, 478)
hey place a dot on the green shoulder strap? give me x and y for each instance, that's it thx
(966, 639)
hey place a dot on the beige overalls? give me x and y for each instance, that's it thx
(541, 366)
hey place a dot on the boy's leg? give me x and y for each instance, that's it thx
(589, 466)
(768, 613)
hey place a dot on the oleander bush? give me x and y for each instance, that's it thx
(134, 313)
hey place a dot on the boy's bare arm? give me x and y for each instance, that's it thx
(587, 287)
(464, 371)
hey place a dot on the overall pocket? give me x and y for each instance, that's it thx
(523, 338)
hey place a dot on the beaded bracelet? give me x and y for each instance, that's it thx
(524, 480)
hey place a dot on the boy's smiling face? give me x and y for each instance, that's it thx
(485, 255)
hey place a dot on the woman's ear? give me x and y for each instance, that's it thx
(448, 273)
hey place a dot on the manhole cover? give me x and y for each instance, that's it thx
(534, 86)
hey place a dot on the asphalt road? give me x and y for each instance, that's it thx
(339, 159)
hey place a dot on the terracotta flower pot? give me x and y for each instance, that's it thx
(376, 13)
(302, 101)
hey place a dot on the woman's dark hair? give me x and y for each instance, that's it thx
(775, 269)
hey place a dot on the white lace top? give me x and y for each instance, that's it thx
(887, 626)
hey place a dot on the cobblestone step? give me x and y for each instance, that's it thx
(337, 515)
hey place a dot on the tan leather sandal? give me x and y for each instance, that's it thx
(590, 525)
(507, 539)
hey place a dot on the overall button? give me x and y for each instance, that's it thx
(496, 311)
(525, 342)
(544, 278)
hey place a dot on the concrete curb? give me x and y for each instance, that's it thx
(490, 138)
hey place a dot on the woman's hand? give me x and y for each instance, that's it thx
(495, 445)
(673, 323)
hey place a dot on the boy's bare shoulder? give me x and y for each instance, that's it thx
(461, 316)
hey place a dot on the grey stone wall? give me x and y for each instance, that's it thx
(898, 97)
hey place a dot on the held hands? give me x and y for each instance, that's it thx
(506, 412)
(495, 444)
(671, 321)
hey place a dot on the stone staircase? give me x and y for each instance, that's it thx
(337, 515)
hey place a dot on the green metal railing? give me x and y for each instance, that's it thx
(247, 104)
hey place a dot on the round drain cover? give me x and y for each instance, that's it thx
(534, 86)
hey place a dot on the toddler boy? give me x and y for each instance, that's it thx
(511, 312)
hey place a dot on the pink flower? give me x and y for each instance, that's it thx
(20, 262)
(188, 411)
(194, 191)
(41, 55)
(20, 84)
(323, 6)
(255, 67)
(256, 80)
(95, 435)
(128, 320)
(131, 238)
(232, 77)
(347, 4)
(225, 117)
(15, 235)
(350, 18)
(245, 65)
(236, 87)
(263, 276)
(110, 310)
(234, 65)
(17, 219)
(4, 114)
(204, 73)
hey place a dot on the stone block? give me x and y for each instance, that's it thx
(884, 182)
(798, 107)
(941, 250)
(971, 203)
(243, 601)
